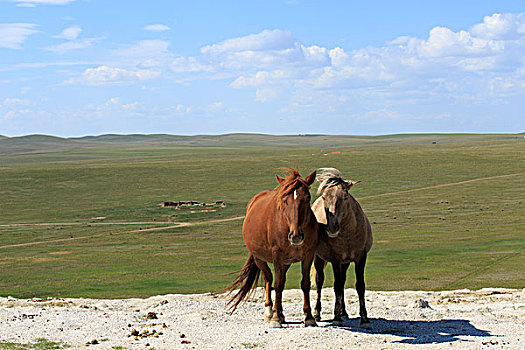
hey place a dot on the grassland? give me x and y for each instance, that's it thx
(446, 215)
(41, 344)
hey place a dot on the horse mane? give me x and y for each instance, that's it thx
(329, 177)
(289, 184)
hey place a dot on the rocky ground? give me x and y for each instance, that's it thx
(462, 319)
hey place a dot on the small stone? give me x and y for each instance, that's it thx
(134, 332)
(151, 315)
(185, 342)
(183, 335)
(421, 303)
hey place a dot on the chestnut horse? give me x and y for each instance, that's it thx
(347, 238)
(279, 228)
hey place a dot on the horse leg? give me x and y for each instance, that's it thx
(344, 314)
(360, 288)
(319, 265)
(280, 279)
(306, 266)
(339, 293)
(268, 279)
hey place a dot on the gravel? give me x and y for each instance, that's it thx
(483, 319)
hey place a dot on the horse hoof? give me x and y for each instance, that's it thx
(275, 324)
(317, 318)
(345, 319)
(337, 323)
(310, 323)
(268, 314)
(365, 325)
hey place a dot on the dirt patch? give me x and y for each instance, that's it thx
(59, 253)
(460, 319)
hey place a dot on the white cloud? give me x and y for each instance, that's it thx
(501, 26)
(214, 107)
(16, 113)
(145, 48)
(69, 33)
(33, 3)
(266, 40)
(38, 65)
(447, 63)
(261, 78)
(13, 35)
(444, 42)
(157, 28)
(73, 45)
(484, 61)
(131, 106)
(15, 102)
(114, 101)
(267, 94)
(190, 65)
(181, 109)
(104, 75)
(267, 49)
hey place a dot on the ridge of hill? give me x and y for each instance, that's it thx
(44, 143)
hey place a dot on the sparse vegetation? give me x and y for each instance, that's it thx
(41, 344)
(427, 236)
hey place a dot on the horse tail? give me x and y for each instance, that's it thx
(247, 279)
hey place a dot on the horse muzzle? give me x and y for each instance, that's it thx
(296, 239)
(333, 228)
(331, 234)
(332, 224)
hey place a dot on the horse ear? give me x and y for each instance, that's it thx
(310, 178)
(279, 179)
(351, 184)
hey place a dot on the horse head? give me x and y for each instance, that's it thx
(294, 202)
(334, 191)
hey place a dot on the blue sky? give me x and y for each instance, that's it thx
(88, 67)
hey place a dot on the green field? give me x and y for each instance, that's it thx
(81, 217)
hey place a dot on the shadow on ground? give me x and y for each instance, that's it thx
(420, 332)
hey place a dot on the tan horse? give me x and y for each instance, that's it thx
(279, 228)
(347, 238)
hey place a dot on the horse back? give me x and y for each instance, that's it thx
(257, 198)
(363, 229)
